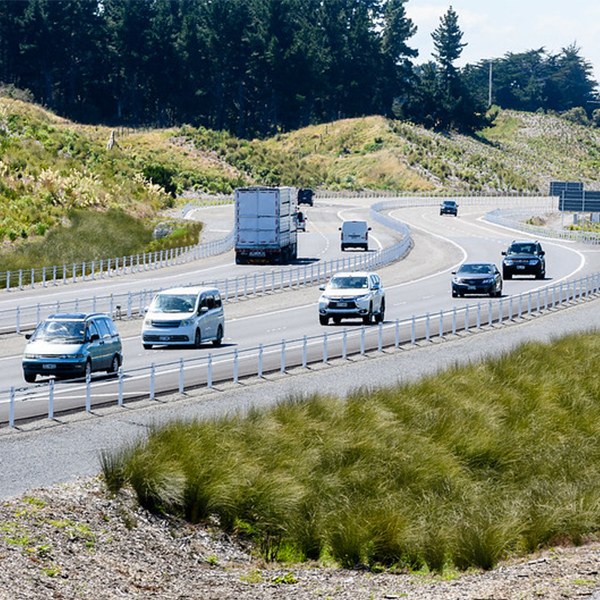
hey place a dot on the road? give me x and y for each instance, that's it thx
(418, 283)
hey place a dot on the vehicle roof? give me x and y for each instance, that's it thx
(478, 262)
(448, 201)
(75, 316)
(353, 273)
(193, 289)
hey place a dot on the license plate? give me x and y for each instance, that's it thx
(520, 266)
(471, 287)
(165, 338)
(342, 304)
(48, 366)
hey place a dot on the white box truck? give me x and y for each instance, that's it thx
(355, 234)
(266, 224)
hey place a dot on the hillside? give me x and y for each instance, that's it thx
(50, 166)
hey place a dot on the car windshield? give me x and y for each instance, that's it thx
(475, 268)
(167, 303)
(345, 282)
(449, 203)
(521, 249)
(60, 330)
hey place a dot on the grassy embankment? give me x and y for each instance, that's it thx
(51, 169)
(459, 469)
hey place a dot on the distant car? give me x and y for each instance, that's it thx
(477, 278)
(184, 316)
(301, 221)
(357, 295)
(524, 258)
(449, 207)
(72, 345)
(305, 196)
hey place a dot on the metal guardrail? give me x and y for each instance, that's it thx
(131, 304)
(112, 267)
(233, 366)
(515, 220)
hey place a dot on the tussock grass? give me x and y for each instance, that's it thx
(458, 469)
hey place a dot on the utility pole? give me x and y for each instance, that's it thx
(490, 86)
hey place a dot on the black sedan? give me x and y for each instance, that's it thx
(477, 278)
(449, 207)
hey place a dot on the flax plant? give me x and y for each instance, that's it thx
(460, 469)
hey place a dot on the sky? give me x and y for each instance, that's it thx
(491, 28)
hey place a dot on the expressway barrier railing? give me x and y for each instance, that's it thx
(131, 304)
(517, 219)
(231, 366)
(112, 267)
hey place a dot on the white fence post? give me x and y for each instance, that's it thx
(51, 399)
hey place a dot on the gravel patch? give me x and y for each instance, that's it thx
(76, 541)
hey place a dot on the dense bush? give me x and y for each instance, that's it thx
(461, 468)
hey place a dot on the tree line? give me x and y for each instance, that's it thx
(256, 67)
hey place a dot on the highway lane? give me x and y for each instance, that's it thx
(418, 284)
(319, 243)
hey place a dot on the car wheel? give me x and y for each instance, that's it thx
(368, 317)
(29, 377)
(114, 365)
(540, 275)
(197, 339)
(219, 339)
(323, 320)
(454, 294)
(147, 346)
(380, 316)
(506, 274)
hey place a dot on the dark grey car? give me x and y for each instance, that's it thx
(477, 278)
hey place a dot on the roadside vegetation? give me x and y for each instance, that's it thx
(460, 469)
(52, 169)
(88, 236)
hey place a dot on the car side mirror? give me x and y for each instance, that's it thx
(322, 288)
(542, 252)
(375, 286)
(504, 253)
(202, 310)
(369, 229)
(28, 336)
(94, 337)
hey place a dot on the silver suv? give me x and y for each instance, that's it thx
(357, 295)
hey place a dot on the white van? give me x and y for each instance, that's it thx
(184, 316)
(355, 234)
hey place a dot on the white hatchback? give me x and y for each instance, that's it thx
(351, 296)
(184, 316)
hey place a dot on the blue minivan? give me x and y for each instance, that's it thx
(72, 345)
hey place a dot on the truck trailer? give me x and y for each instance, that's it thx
(266, 224)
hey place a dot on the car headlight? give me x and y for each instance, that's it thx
(533, 261)
(488, 280)
(32, 356)
(508, 262)
(187, 322)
